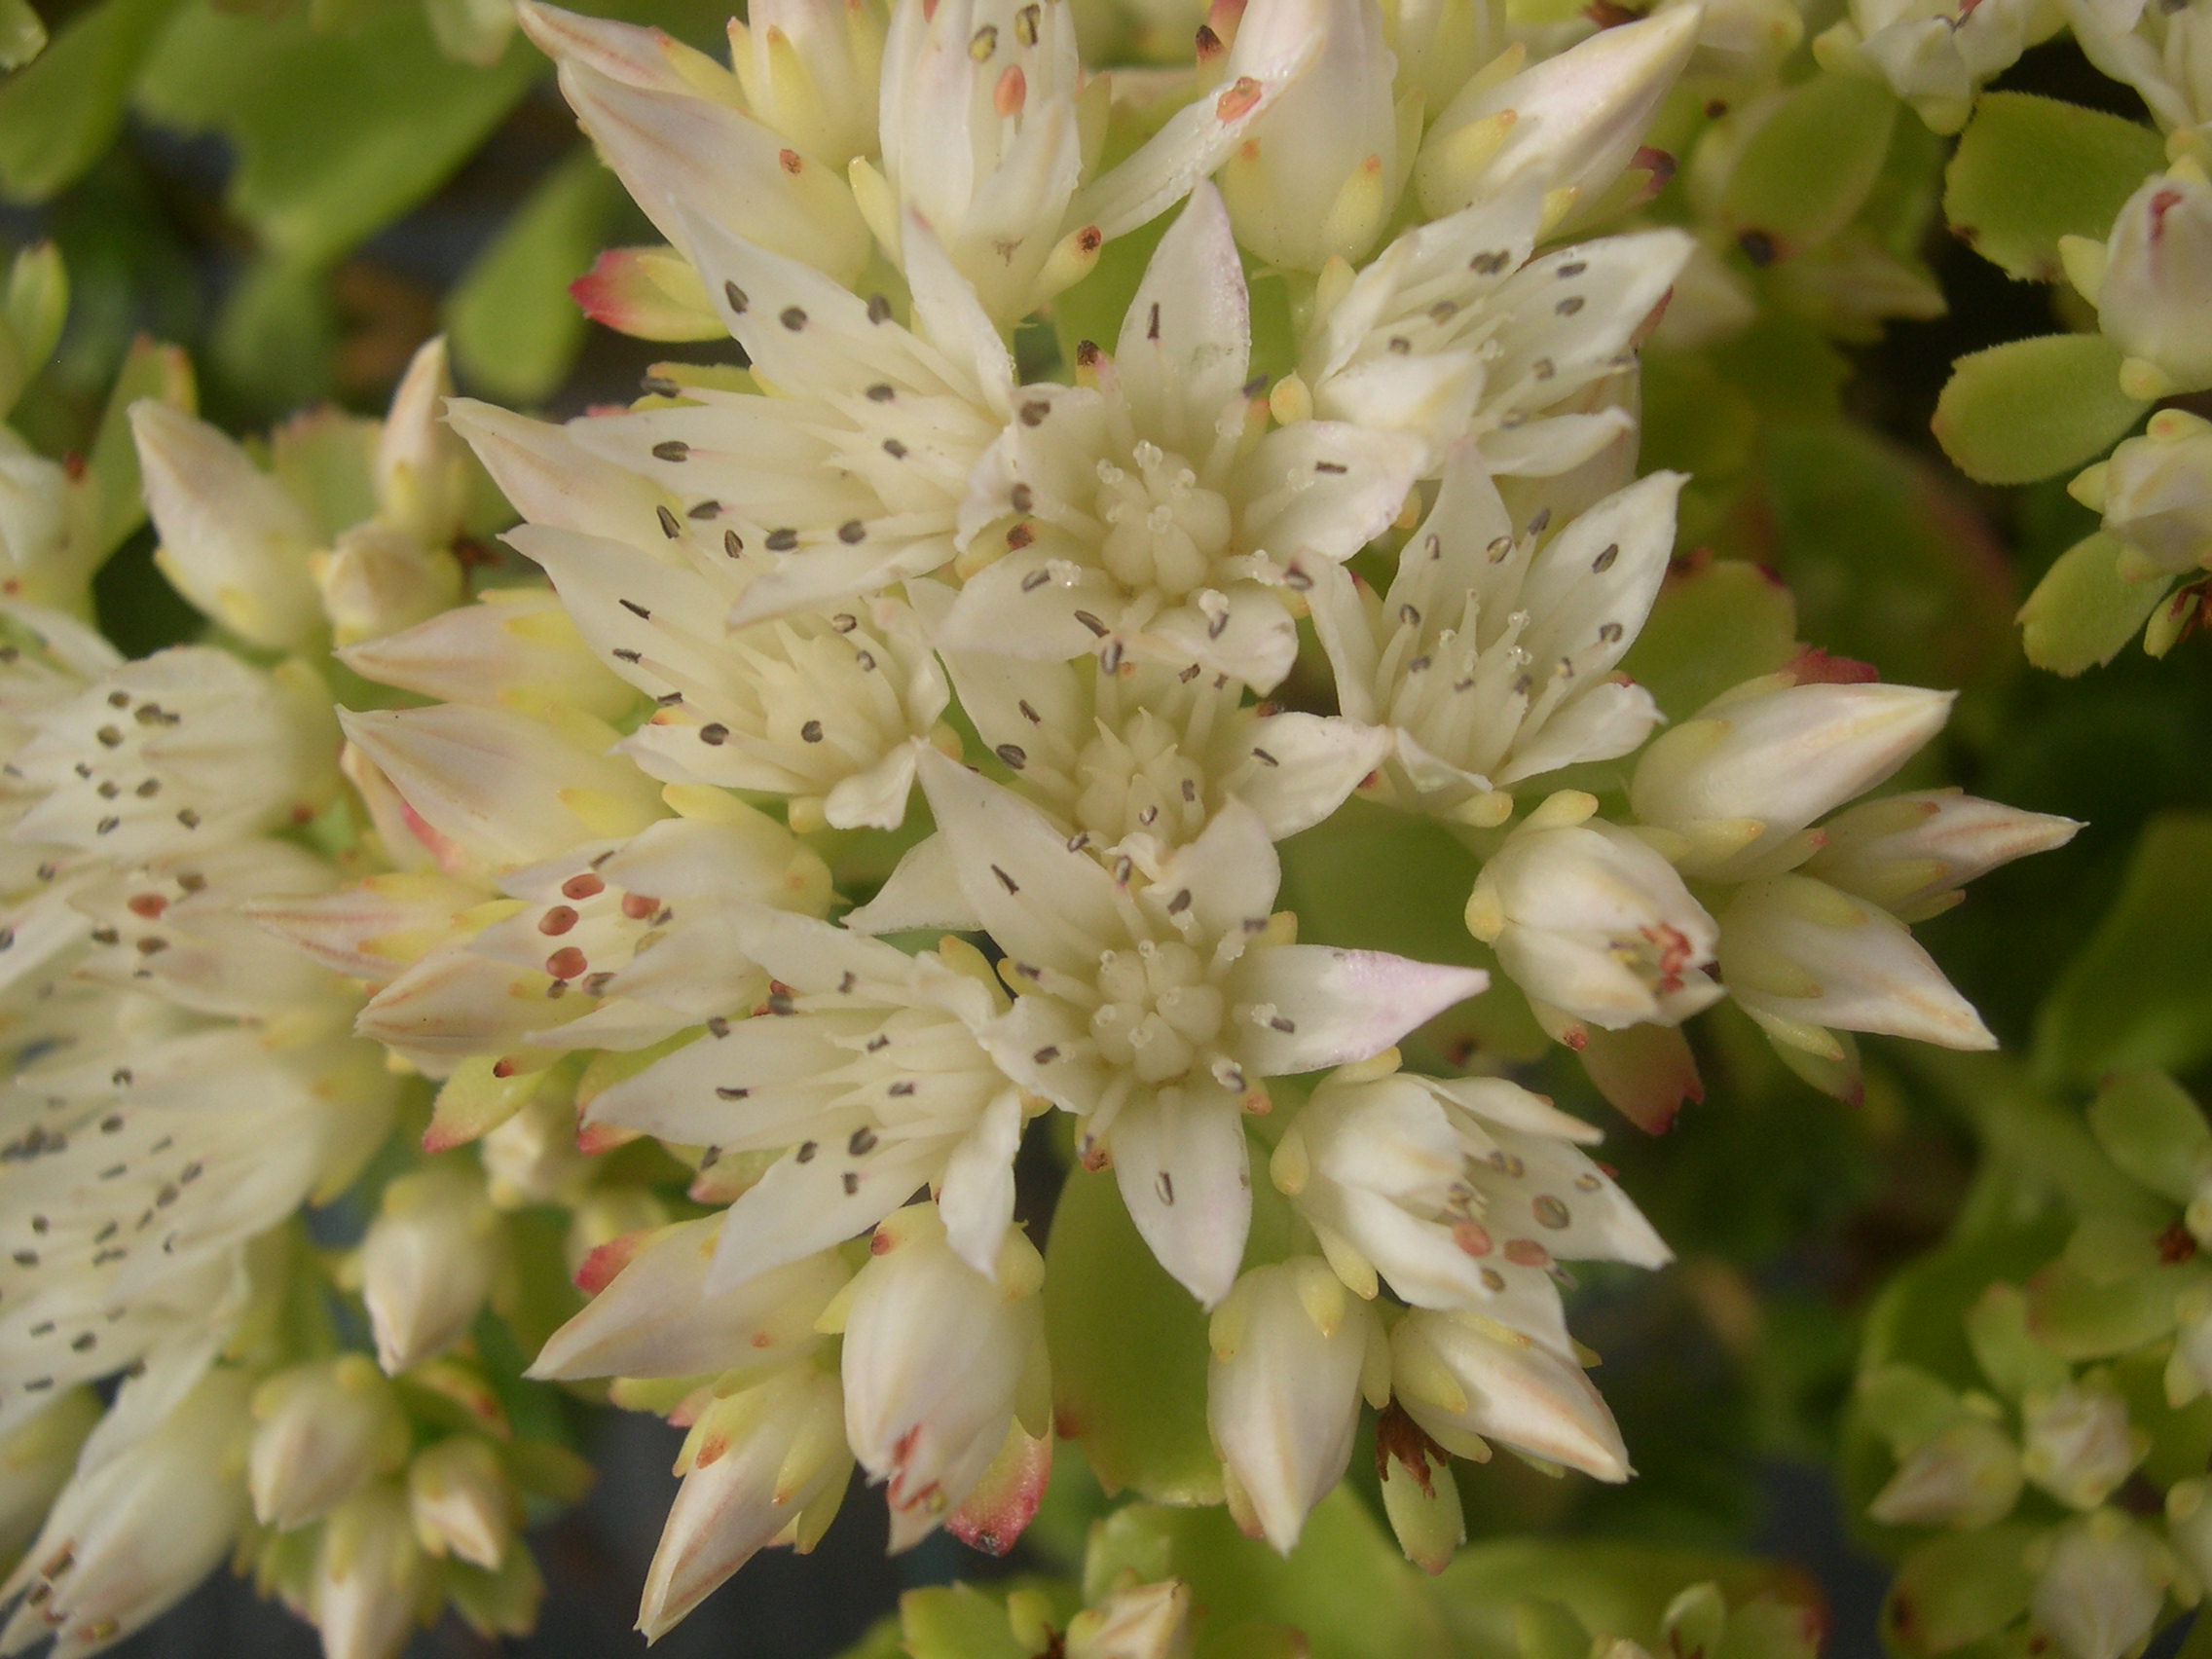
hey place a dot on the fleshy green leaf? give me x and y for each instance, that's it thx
(514, 328)
(63, 111)
(337, 134)
(2030, 408)
(1959, 1589)
(1717, 623)
(2031, 169)
(2148, 1125)
(2138, 994)
(2084, 610)
(957, 1621)
(1811, 164)
(1105, 1300)
(23, 37)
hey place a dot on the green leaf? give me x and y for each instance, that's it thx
(272, 341)
(514, 328)
(1811, 164)
(2148, 1125)
(1717, 623)
(337, 134)
(61, 113)
(2138, 994)
(2030, 408)
(1106, 1298)
(2031, 169)
(1960, 1589)
(2084, 610)
(957, 1621)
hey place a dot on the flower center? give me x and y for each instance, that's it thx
(1164, 528)
(1137, 779)
(1158, 1017)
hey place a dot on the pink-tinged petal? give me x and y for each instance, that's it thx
(1004, 1500)
(509, 789)
(1227, 879)
(452, 1005)
(1325, 487)
(687, 160)
(1521, 1394)
(923, 891)
(1313, 1005)
(797, 1209)
(1645, 1071)
(1186, 1177)
(1299, 768)
(656, 1319)
(370, 931)
(1186, 338)
(648, 293)
(636, 57)
(1043, 901)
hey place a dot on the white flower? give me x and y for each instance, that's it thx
(1138, 1621)
(1465, 1379)
(2149, 286)
(1317, 177)
(1453, 330)
(2156, 495)
(1968, 1476)
(1137, 760)
(2159, 53)
(515, 647)
(941, 1364)
(427, 1263)
(2101, 1586)
(1492, 657)
(2077, 1442)
(848, 476)
(672, 124)
(1156, 1011)
(1138, 511)
(1460, 1192)
(157, 1501)
(1292, 1355)
(655, 1313)
(375, 580)
(234, 540)
(369, 1576)
(461, 1502)
(1912, 853)
(1567, 125)
(1800, 956)
(810, 70)
(1935, 55)
(185, 747)
(764, 1466)
(1734, 786)
(1592, 923)
(872, 1068)
(323, 1430)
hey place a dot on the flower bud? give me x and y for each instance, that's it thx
(234, 540)
(1418, 1493)
(1463, 1378)
(1317, 175)
(1758, 764)
(34, 527)
(2152, 299)
(1796, 953)
(765, 1465)
(422, 467)
(370, 1577)
(378, 579)
(324, 1429)
(531, 1159)
(1138, 1621)
(2078, 1443)
(1967, 1476)
(810, 69)
(2101, 1586)
(939, 1363)
(2156, 495)
(1911, 853)
(427, 1263)
(514, 647)
(461, 1502)
(1569, 123)
(1588, 919)
(1291, 1350)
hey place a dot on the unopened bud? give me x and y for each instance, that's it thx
(461, 1502)
(427, 1263)
(324, 1429)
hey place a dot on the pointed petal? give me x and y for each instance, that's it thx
(1340, 1005)
(1186, 339)
(1185, 1176)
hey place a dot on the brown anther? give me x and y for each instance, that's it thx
(567, 963)
(557, 921)
(582, 886)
